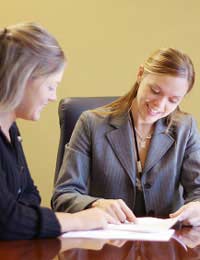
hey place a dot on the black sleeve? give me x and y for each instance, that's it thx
(21, 216)
(20, 220)
(30, 194)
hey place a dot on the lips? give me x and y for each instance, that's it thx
(152, 111)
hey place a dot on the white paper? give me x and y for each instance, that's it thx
(146, 224)
(116, 234)
(147, 228)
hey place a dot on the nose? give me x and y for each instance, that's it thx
(53, 97)
(160, 103)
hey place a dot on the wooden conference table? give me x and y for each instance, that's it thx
(83, 249)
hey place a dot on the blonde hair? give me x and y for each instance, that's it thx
(27, 51)
(166, 61)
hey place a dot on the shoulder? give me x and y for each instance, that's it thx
(185, 121)
(95, 117)
(101, 121)
(89, 123)
(185, 128)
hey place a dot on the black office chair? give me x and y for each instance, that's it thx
(69, 111)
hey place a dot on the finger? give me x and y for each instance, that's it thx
(193, 221)
(105, 206)
(110, 219)
(127, 211)
(185, 216)
(113, 212)
(177, 213)
(119, 212)
(114, 209)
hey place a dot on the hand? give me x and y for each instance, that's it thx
(115, 208)
(189, 214)
(84, 220)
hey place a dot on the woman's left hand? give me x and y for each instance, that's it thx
(189, 214)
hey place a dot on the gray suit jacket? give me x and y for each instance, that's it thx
(100, 162)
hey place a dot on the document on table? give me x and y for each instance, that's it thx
(153, 229)
(146, 224)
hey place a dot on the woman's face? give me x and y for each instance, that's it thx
(38, 93)
(158, 95)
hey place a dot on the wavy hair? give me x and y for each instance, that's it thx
(166, 61)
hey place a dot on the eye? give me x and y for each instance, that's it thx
(155, 90)
(174, 100)
(50, 88)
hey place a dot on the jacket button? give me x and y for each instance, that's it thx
(147, 186)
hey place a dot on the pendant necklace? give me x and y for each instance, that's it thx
(143, 140)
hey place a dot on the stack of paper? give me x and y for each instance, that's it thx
(153, 229)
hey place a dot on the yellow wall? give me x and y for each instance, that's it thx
(105, 41)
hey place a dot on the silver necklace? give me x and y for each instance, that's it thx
(143, 140)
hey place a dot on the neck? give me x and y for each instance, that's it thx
(144, 128)
(6, 120)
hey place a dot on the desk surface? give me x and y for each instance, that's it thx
(84, 249)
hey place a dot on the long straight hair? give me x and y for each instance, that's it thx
(166, 61)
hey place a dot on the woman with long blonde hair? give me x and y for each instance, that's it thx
(140, 155)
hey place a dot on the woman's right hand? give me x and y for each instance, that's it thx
(116, 208)
(84, 220)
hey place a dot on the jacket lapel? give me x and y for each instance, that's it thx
(121, 141)
(160, 144)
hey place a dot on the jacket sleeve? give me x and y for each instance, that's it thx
(72, 186)
(24, 219)
(190, 172)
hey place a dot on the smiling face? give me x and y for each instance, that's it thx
(158, 96)
(38, 93)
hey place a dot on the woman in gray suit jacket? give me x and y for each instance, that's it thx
(140, 155)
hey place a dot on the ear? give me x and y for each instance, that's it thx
(140, 73)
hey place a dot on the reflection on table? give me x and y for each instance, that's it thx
(185, 245)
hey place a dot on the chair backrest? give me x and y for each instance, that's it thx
(69, 111)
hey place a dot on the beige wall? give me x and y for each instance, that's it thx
(105, 41)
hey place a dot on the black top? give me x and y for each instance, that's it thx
(21, 216)
(139, 208)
